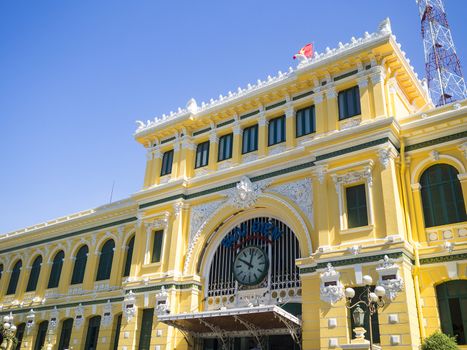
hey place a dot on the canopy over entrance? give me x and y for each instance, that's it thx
(240, 322)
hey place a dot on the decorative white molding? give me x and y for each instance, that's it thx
(331, 290)
(320, 173)
(162, 302)
(350, 123)
(213, 137)
(300, 192)
(224, 165)
(389, 277)
(202, 171)
(250, 157)
(53, 323)
(276, 149)
(30, 320)
(385, 155)
(200, 214)
(107, 314)
(192, 108)
(79, 316)
(245, 194)
(463, 149)
(129, 306)
(362, 82)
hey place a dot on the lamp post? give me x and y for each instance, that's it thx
(372, 300)
(8, 332)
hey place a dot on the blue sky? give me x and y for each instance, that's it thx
(75, 75)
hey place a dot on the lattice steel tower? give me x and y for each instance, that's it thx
(442, 67)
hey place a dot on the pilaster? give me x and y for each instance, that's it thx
(213, 151)
(149, 166)
(187, 157)
(332, 109)
(237, 143)
(320, 113)
(365, 106)
(118, 259)
(262, 134)
(156, 166)
(379, 96)
(290, 132)
(320, 182)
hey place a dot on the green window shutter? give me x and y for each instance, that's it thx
(34, 275)
(157, 246)
(41, 334)
(225, 147)
(167, 161)
(202, 155)
(105, 261)
(442, 198)
(20, 334)
(65, 334)
(349, 103)
(56, 271)
(80, 265)
(146, 329)
(14, 278)
(116, 338)
(276, 131)
(357, 214)
(452, 307)
(93, 333)
(129, 257)
(360, 295)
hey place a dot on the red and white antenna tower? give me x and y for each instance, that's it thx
(442, 67)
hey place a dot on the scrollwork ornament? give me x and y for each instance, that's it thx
(246, 193)
(331, 290)
(389, 277)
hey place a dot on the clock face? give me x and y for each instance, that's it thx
(250, 266)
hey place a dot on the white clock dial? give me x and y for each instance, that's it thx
(250, 266)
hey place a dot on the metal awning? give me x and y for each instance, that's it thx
(248, 321)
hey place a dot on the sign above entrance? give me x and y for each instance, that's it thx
(256, 229)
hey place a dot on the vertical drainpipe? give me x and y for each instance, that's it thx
(416, 270)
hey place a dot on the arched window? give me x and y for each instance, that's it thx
(56, 271)
(20, 334)
(14, 278)
(452, 304)
(129, 256)
(93, 333)
(34, 275)
(41, 334)
(65, 334)
(116, 331)
(80, 265)
(443, 202)
(105, 260)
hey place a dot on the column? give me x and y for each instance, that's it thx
(262, 134)
(118, 259)
(213, 150)
(156, 166)
(417, 198)
(187, 157)
(290, 140)
(237, 143)
(392, 100)
(176, 234)
(149, 166)
(365, 105)
(320, 194)
(176, 160)
(321, 116)
(377, 80)
(67, 270)
(391, 197)
(91, 266)
(332, 109)
(139, 249)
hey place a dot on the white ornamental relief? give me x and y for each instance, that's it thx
(107, 314)
(79, 316)
(246, 193)
(389, 277)
(300, 192)
(200, 214)
(331, 290)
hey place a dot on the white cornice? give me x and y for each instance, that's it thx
(319, 59)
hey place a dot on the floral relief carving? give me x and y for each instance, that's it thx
(331, 290)
(389, 277)
(246, 193)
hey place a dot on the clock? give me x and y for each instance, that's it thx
(250, 266)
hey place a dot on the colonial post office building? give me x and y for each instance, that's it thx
(258, 209)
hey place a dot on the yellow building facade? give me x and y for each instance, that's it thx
(258, 209)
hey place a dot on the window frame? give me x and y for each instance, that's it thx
(34, 274)
(312, 122)
(104, 273)
(343, 101)
(77, 276)
(128, 256)
(357, 207)
(16, 270)
(167, 163)
(221, 156)
(277, 130)
(246, 141)
(202, 154)
(56, 270)
(157, 232)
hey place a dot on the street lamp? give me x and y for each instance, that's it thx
(8, 332)
(372, 300)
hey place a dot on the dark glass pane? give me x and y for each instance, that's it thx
(118, 326)
(360, 294)
(167, 160)
(20, 334)
(250, 139)
(41, 334)
(105, 261)
(157, 246)
(129, 256)
(357, 214)
(349, 103)
(93, 333)
(202, 154)
(442, 198)
(146, 329)
(65, 334)
(14, 278)
(452, 307)
(34, 275)
(56, 270)
(225, 147)
(80, 265)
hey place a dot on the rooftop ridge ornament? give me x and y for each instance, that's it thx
(384, 29)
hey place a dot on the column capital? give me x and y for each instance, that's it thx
(290, 111)
(187, 143)
(237, 130)
(331, 93)
(213, 137)
(262, 121)
(362, 82)
(318, 97)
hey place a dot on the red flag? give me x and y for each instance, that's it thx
(306, 51)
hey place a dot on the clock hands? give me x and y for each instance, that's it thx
(246, 262)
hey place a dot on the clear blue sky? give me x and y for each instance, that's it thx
(75, 75)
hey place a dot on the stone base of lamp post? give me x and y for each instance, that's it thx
(360, 342)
